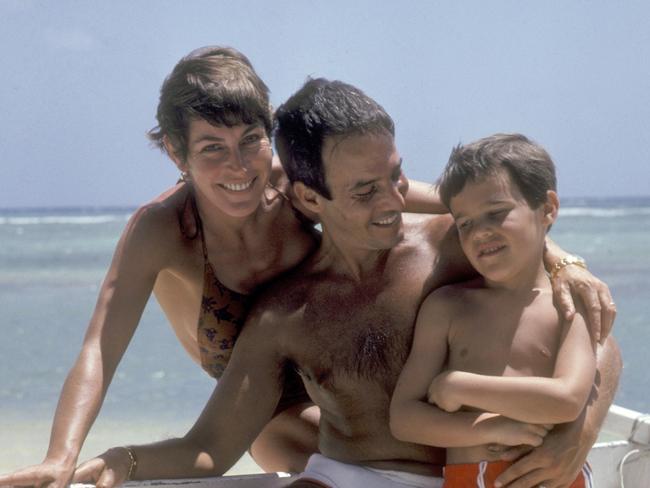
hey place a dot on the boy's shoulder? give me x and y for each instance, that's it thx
(451, 296)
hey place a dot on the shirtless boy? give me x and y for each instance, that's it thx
(507, 350)
(343, 319)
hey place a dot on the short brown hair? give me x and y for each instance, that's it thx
(217, 84)
(529, 165)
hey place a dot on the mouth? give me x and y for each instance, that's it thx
(387, 221)
(237, 187)
(490, 250)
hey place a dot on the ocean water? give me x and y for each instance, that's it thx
(52, 262)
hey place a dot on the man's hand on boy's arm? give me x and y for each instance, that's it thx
(572, 281)
(557, 462)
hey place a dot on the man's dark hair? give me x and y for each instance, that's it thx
(321, 109)
(529, 165)
(217, 84)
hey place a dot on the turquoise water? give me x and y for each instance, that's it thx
(52, 262)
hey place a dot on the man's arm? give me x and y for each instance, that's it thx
(242, 403)
(413, 419)
(559, 459)
(573, 282)
(560, 398)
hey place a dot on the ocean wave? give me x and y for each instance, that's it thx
(604, 212)
(63, 219)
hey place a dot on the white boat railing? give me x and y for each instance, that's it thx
(623, 462)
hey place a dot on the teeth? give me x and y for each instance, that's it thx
(238, 186)
(387, 220)
(490, 250)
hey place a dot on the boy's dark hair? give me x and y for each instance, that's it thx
(321, 109)
(217, 84)
(529, 165)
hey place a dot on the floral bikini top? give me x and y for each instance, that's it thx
(223, 311)
(222, 315)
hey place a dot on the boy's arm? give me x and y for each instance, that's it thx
(241, 404)
(571, 282)
(560, 458)
(412, 419)
(423, 198)
(558, 399)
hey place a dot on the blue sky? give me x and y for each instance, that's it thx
(79, 83)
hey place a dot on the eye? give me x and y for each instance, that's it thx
(212, 148)
(464, 225)
(253, 138)
(367, 195)
(497, 215)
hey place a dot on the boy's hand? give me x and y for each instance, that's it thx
(440, 392)
(49, 474)
(508, 432)
(574, 282)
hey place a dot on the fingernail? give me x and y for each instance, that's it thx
(497, 484)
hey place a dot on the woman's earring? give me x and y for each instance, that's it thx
(185, 176)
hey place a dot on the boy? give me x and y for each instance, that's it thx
(509, 352)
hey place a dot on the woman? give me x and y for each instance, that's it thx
(202, 247)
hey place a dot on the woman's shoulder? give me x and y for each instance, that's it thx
(159, 219)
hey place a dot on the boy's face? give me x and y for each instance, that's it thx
(500, 234)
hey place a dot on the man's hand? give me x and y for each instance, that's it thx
(574, 282)
(554, 464)
(105, 471)
(47, 474)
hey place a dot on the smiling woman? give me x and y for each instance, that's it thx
(202, 247)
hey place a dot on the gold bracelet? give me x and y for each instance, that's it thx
(134, 462)
(567, 261)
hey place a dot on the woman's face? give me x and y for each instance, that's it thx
(229, 166)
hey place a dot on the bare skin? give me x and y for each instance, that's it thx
(506, 348)
(251, 237)
(344, 319)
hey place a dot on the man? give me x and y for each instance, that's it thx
(343, 319)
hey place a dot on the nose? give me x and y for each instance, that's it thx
(482, 230)
(238, 161)
(397, 193)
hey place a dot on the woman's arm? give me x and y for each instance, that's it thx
(423, 198)
(560, 398)
(122, 298)
(241, 405)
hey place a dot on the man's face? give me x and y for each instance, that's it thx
(364, 175)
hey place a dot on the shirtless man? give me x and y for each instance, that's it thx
(344, 320)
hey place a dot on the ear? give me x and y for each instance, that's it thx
(551, 207)
(171, 151)
(307, 198)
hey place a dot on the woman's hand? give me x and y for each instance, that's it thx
(573, 282)
(107, 470)
(48, 474)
